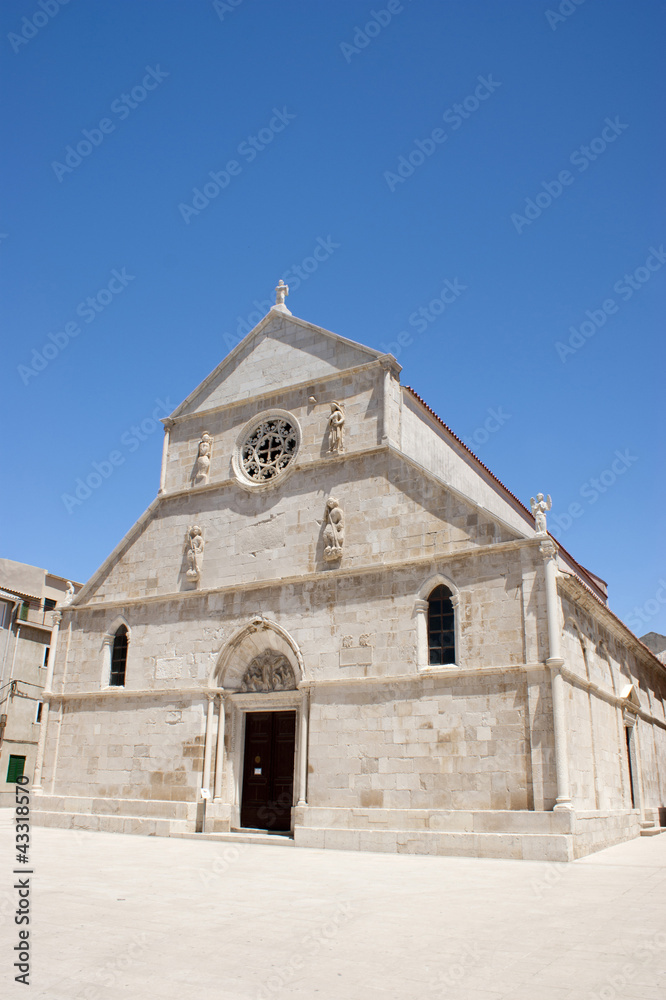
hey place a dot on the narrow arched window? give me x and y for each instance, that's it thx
(119, 658)
(441, 627)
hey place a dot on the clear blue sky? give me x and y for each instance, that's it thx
(534, 199)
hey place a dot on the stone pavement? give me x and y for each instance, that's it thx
(117, 916)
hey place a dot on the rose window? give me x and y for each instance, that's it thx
(269, 449)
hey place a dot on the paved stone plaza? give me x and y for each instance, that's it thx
(117, 916)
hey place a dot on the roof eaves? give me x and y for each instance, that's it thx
(583, 572)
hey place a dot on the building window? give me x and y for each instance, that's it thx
(268, 449)
(441, 627)
(49, 604)
(23, 611)
(265, 449)
(15, 769)
(38, 713)
(47, 650)
(119, 658)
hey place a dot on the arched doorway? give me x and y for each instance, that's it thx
(261, 672)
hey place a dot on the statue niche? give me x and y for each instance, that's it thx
(270, 671)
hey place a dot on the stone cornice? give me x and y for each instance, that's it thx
(610, 696)
(575, 590)
(340, 573)
(317, 463)
(323, 462)
(119, 693)
(428, 673)
(282, 391)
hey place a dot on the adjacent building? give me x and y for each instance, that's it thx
(335, 623)
(28, 597)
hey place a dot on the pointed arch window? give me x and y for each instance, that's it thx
(441, 627)
(119, 657)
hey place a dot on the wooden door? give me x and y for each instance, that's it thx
(268, 770)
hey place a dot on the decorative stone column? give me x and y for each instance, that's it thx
(303, 749)
(208, 740)
(548, 550)
(168, 424)
(219, 752)
(421, 612)
(48, 690)
(107, 652)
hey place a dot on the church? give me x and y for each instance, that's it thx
(335, 625)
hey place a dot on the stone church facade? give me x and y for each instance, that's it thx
(334, 622)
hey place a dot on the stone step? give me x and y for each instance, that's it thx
(652, 831)
(144, 825)
(517, 846)
(241, 837)
(99, 806)
(504, 821)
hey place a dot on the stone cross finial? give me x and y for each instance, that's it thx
(281, 292)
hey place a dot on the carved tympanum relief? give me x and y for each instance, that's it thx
(270, 671)
(334, 532)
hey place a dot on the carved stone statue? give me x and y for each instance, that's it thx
(69, 595)
(281, 292)
(195, 550)
(202, 468)
(269, 671)
(336, 423)
(539, 508)
(334, 532)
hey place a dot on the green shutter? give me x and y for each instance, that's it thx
(15, 769)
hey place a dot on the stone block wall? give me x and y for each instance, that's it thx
(345, 625)
(126, 749)
(434, 743)
(361, 397)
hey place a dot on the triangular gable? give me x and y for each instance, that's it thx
(89, 588)
(281, 350)
(629, 695)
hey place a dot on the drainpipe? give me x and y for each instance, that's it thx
(548, 550)
(12, 613)
(48, 686)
